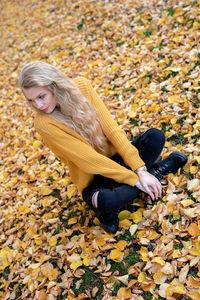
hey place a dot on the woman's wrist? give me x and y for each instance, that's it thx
(143, 168)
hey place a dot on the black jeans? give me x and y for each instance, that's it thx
(114, 195)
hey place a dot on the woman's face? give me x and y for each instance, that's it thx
(41, 97)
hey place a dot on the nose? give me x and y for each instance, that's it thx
(38, 103)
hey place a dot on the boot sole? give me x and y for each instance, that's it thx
(107, 226)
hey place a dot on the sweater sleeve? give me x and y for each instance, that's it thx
(69, 148)
(116, 136)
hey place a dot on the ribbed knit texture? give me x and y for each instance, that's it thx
(81, 158)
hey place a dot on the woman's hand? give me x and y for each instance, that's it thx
(149, 184)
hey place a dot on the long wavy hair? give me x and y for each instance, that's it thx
(72, 109)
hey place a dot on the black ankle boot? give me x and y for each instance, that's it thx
(109, 222)
(171, 164)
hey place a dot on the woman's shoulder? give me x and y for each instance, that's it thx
(47, 124)
(80, 80)
(82, 83)
(42, 121)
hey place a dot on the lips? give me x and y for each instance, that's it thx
(45, 110)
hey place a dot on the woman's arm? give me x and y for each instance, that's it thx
(116, 136)
(68, 147)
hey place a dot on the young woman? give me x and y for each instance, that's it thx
(108, 170)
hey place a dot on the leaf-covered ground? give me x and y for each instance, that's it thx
(143, 58)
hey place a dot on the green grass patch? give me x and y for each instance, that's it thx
(90, 280)
(178, 139)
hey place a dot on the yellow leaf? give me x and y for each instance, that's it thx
(153, 235)
(75, 260)
(144, 254)
(193, 229)
(86, 260)
(125, 224)
(176, 253)
(66, 180)
(72, 221)
(141, 277)
(96, 221)
(170, 206)
(142, 102)
(53, 241)
(134, 106)
(195, 250)
(141, 233)
(23, 208)
(197, 125)
(38, 241)
(2, 284)
(133, 229)
(179, 289)
(157, 276)
(53, 274)
(193, 282)
(115, 254)
(121, 245)
(193, 169)
(158, 260)
(70, 191)
(36, 145)
(187, 202)
(124, 214)
(132, 114)
(100, 241)
(76, 264)
(195, 295)
(174, 99)
(124, 293)
(46, 191)
(137, 216)
(47, 201)
(176, 180)
(14, 180)
(4, 258)
(31, 232)
(173, 121)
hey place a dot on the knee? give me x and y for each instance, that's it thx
(156, 134)
(106, 200)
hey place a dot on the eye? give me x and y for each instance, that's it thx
(42, 96)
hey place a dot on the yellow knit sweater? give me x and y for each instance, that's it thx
(81, 158)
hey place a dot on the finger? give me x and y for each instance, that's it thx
(154, 190)
(159, 188)
(149, 192)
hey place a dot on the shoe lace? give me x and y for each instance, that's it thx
(163, 169)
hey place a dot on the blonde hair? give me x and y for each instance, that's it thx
(73, 109)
